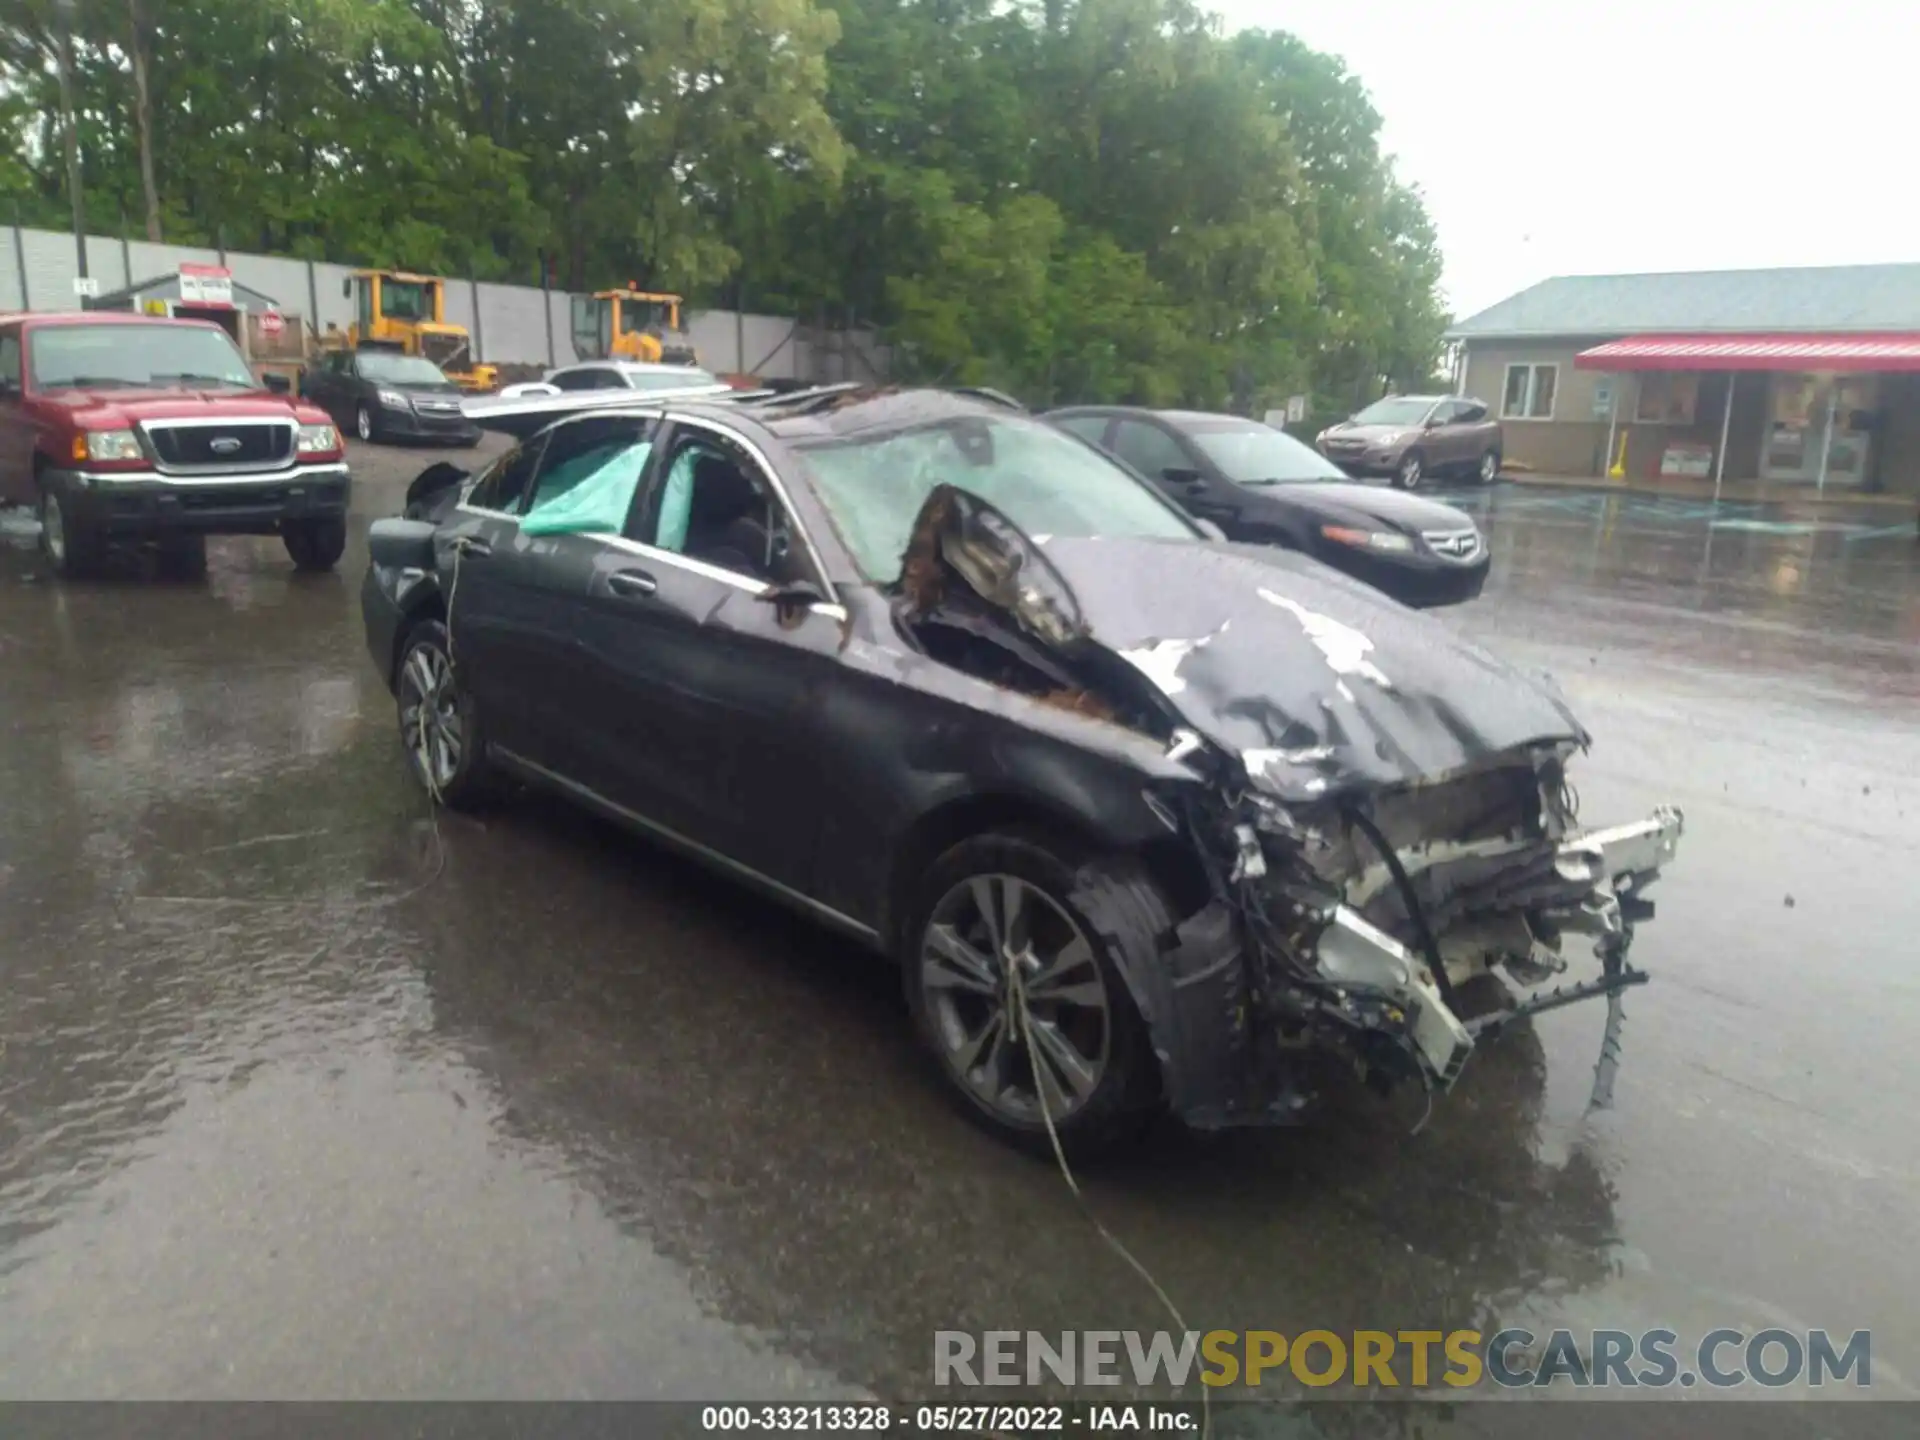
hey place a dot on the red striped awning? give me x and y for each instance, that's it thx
(1755, 352)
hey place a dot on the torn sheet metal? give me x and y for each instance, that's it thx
(1328, 684)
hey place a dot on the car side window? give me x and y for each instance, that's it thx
(711, 501)
(577, 379)
(504, 484)
(10, 359)
(1448, 412)
(1471, 412)
(1148, 448)
(588, 476)
(1092, 428)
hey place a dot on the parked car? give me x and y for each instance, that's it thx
(1413, 436)
(384, 394)
(620, 375)
(135, 427)
(1141, 815)
(1262, 486)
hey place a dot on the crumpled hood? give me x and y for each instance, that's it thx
(1319, 683)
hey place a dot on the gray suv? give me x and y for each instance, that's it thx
(1412, 436)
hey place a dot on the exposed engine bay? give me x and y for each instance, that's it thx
(1381, 812)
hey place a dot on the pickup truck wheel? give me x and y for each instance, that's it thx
(439, 726)
(998, 902)
(364, 424)
(75, 549)
(315, 544)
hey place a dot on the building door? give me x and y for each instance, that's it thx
(1819, 428)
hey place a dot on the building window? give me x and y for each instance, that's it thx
(1529, 393)
(1666, 398)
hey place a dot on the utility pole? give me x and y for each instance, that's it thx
(64, 11)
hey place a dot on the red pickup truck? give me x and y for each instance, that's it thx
(121, 426)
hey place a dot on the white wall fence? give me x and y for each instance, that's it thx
(510, 324)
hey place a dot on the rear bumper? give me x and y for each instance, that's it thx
(146, 502)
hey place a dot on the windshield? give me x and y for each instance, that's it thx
(393, 368)
(406, 300)
(141, 354)
(1260, 455)
(1394, 410)
(1045, 482)
(676, 379)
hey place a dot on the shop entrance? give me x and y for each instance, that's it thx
(1820, 428)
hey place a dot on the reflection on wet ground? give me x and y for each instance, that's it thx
(303, 1095)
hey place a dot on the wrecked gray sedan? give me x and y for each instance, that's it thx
(1149, 821)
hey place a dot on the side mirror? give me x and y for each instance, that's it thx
(1181, 476)
(401, 544)
(277, 383)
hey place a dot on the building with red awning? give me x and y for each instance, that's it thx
(1805, 376)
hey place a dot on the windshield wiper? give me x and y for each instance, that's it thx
(75, 382)
(203, 379)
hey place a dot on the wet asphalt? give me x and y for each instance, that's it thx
(303, 1094)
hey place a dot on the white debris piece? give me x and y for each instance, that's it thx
(1160, 661)
(1345, 648)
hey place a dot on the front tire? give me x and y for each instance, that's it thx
(365, 425)
(1406, 475)
(74, 548)
(315, 544)
(1489, 470)
(1001, 900)
(440, 727)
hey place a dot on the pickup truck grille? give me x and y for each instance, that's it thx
(239, 445)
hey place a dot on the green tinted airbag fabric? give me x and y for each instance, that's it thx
(676, 503)
(589, 494)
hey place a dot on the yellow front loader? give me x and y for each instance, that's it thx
(631, 325)
(409, 312)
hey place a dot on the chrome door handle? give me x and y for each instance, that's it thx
(631, 582)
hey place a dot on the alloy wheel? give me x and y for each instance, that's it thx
(983, 931)
(430, 724)
(1489, 468)
(363, 423)
(1410, 472)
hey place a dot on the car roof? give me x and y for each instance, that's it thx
(1178, 417)
(844, 412)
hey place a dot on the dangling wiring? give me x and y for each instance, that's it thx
(1017, 988)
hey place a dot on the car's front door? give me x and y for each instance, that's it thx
(703, 686)
(1450, 438)
(16, 425)
(1182, 476)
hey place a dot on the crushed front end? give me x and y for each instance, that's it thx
(1380, 926)
(1380, 810)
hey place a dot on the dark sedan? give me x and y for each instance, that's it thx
(1262, 486)
(380, 394)
(1144, 817)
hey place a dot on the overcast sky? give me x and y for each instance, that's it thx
(1557, 137)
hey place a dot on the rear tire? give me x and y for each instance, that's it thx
(315, 544)
(446, 748)
(1406, 475)
(365, 425)
(1074, 916)
(74, 548)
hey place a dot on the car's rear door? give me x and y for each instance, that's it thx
(524, 576)
(703, 690)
